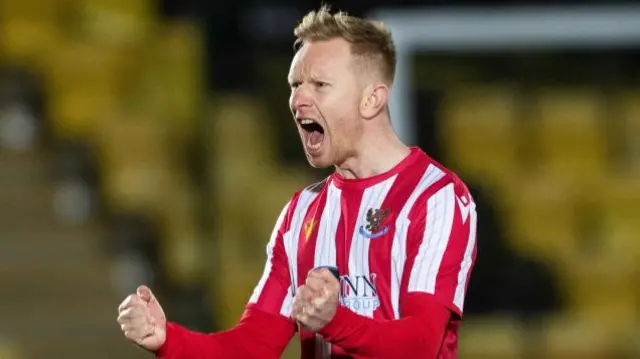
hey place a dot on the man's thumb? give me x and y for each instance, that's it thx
(145, 293)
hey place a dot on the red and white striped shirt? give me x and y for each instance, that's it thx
(411, 230)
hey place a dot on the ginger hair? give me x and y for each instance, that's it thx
(370, 40)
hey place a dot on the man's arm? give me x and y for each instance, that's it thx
(439, 258)
(265, 328)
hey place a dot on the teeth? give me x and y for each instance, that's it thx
(306, 121)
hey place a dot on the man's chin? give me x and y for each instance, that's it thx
(319, 162)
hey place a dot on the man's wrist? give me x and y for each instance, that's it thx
(333, 330)
(171, 342)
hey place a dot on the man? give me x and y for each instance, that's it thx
(398, 226)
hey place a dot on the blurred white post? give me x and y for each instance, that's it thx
(494, 29)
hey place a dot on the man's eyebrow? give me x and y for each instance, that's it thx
(292, 80)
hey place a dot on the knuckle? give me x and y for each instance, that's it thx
(128, 313)
(312, 282)
(129, 300)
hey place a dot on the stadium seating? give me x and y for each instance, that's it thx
(567, 337)
(566, 209)
(569, 133)
(135, 162)
(181, 245)
(252, 189)
(61, 298)
(116, 22)
(170, 79)
(619, 203)
(542, 217)
(628, 107)
(29, 30)
(480, 130)
(120, 83)
(83, 81)
(8, 351)
(493, 337)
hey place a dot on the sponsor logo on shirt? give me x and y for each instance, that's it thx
(359, 292)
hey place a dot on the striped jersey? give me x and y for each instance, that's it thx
(410, 229)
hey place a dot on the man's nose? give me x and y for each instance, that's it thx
(301, 99)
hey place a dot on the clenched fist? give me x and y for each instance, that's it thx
(142, 319)
(316, 302)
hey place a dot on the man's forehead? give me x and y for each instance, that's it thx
(321, 56)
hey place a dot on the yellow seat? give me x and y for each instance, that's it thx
(541, 217)
(619, 202)
(32, 9)
(629, 109)
(171, 77)
(181, 247)
(492, 337)
(179, 60)
(28, 30)
(9, 351)
(570, 133)
(244, 156)
(601, 281)
(599, 295)
(242, 147)
(117, 22)
(137, 187)
(136, 161)
(83, 82)
(25, 42)
(480, 130)
(568, 337)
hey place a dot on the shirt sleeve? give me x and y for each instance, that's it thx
(247, 340)
(269, 307)
(417, 334)
(441, 247)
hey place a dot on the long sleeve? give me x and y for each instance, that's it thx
(439, 257)
(266, 326)
(258, 335)
(416, 335)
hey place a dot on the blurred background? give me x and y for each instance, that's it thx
(146, 141)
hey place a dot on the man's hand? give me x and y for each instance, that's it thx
(316, 302)
(142, 319)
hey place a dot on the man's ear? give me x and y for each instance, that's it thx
(374, 100)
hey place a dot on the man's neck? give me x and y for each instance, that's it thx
(376, 155)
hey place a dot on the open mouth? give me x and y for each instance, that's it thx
(313, 133)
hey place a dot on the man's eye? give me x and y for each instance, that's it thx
(294, 85)
(321, 84)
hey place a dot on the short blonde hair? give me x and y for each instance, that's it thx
(369, 39)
